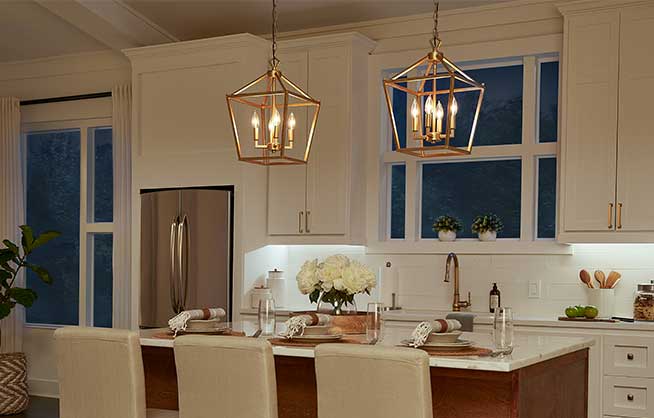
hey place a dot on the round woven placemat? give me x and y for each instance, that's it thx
(471, 351)
(303, 344)
(171, 336)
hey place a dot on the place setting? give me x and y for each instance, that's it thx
(206, 321)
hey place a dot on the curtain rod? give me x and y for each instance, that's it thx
(66, 98)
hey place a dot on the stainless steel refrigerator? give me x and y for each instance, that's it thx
(186, 252)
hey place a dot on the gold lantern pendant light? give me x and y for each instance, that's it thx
(268, 104)
(430, 130)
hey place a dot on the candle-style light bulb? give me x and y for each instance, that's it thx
(255, 125)
(439, 117)
(429, 109)
(273, 127)
(454, 109)
(415, 115)
(291, 129)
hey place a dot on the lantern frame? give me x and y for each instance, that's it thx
(433, 60)
(276, 86)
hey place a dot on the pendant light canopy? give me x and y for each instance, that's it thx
(273, 119)
(429, 89)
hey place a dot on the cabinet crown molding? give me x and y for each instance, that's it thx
(355, 38)
(584, 6)
(221, 43)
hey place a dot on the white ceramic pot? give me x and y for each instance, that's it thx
(488, 236)
(446, 235)
(603, 300)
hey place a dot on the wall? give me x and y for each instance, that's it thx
(418, 279)
(54, 77)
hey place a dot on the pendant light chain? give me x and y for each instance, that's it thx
(436, 40)
(274, 62)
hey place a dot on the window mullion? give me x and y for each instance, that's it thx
(529, 139)
(83, 238)
(412, 199)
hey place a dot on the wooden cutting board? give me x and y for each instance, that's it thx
(565, 318)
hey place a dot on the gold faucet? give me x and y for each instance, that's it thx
(457, 304)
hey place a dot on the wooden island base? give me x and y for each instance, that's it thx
(552, 388)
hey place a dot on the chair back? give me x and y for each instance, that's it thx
(100, 373)
(372, 382)
(225, 377)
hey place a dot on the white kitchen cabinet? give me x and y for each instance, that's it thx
(607, 145)
(324, 202)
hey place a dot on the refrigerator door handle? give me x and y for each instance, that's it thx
(182, 248)
(173, 266)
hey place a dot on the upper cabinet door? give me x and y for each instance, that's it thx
(591, 122)
(328, 168)
(635, 133)
(287, 184)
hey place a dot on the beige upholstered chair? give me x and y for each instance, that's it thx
(101, 374)
(372, 382)
(225, 377)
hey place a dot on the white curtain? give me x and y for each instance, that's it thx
(12, 207)
(122, 248)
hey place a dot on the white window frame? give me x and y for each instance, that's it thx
(88, 228)
(381, 156)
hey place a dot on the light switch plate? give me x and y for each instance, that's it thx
(534, 289)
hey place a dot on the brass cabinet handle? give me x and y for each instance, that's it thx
(619, 221)
(307, 222)
(299, 222)
(630, 356)
(610, 216)
(630, 397)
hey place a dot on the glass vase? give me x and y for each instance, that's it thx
(339, 307)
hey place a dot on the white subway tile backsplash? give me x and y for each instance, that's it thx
(417, 279)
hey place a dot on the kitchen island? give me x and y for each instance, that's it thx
(545, 376)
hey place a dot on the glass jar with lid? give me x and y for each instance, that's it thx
(644, 302)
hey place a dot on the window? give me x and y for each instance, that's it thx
(69, 188)
(512, 170)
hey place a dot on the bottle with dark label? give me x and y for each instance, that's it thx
(494, 299)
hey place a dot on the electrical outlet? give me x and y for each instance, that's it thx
(534, 289)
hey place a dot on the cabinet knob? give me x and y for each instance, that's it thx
(630, 356)
(630, 397)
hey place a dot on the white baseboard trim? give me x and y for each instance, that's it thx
(43, 387)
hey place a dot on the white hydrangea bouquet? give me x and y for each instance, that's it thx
(335, 281)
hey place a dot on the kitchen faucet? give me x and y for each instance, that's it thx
(457, 304)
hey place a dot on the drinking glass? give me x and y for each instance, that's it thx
(503, 329)
(374, 322)
(266, 315)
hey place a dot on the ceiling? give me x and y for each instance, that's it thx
(31, 29)
(194, 19)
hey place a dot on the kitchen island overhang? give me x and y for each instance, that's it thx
(545, 376)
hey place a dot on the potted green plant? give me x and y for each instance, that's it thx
(447, 227)
(487, 226)
(13, 366)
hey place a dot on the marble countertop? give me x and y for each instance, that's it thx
(485, 318)
(528, 349)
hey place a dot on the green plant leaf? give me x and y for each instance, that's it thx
(41, 272)
(11, 246)
(25, 297)
(27, 240)
(44, 238)
(6, 255)
(5, 276)
(5, 309)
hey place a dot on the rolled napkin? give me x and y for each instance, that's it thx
(178, 322)
(296, 324)
(420, 335)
